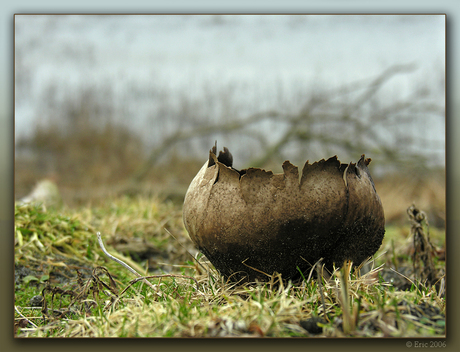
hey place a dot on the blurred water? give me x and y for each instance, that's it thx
(148, 63)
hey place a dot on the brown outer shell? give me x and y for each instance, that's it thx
(264, 222)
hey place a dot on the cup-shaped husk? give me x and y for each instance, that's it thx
(252, 222)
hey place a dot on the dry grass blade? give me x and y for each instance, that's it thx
(349, 319)
(255, 269)
(320, 283)
(144, 278)
(194, 259)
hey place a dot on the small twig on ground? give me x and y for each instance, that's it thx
(23, 317)
(99, 238)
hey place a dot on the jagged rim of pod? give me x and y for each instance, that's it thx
(225, 158)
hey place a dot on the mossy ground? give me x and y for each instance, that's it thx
(57, 257)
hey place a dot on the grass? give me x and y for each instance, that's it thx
(57, 257)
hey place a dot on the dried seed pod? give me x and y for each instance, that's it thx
(252, 222)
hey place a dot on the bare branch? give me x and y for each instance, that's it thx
(349, 118)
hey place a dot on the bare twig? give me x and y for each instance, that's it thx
(99, 238)
(23, 317)
(340, 119)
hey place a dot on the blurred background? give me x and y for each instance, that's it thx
(127, 104)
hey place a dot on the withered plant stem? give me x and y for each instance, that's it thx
(320, 279)
(23, 317)
(99, 238)
(349, 324)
